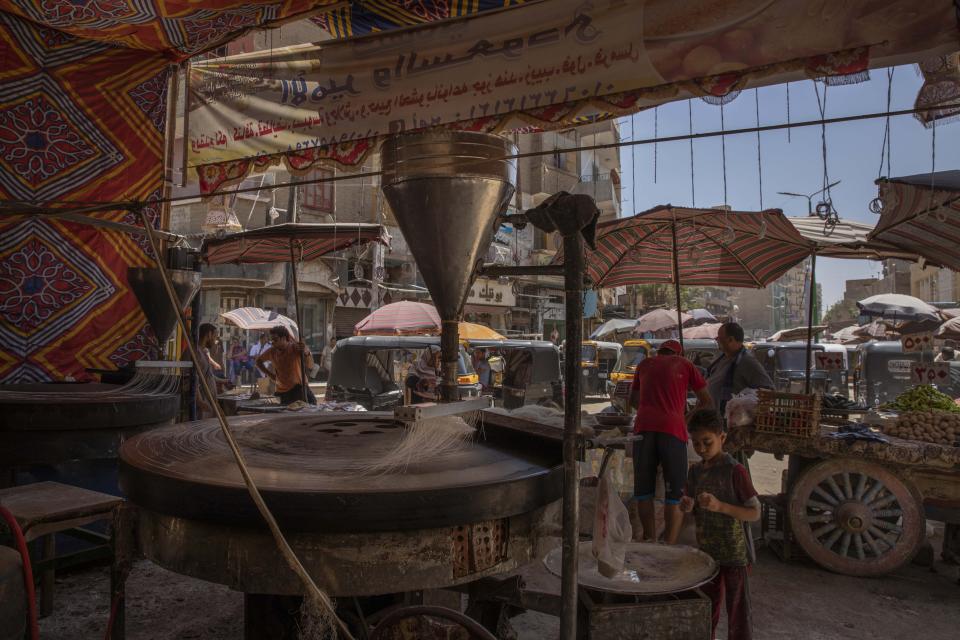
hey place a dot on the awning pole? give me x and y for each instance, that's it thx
(813, 294)
(300, 338)
(676, 279)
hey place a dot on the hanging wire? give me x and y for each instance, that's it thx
(825, 209)
(885, 144)
(788, 113)
(633, 164)
(656, 112)
(723, 153)
(756, 99)
(693, 189)
(941, 212)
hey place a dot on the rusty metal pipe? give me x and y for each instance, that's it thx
(449, 355)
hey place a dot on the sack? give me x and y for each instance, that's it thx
(611, 528)
(741, 408)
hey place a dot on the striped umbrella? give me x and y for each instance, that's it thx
(253, 318)
(400, 318)
(846, 239)
(292, 240)
(921, 214)
(713, 248)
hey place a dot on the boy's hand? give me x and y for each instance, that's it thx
(709, 502)
(686, 504)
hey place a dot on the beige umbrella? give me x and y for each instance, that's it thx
(658, 320)
(949, 330)
(704, 331)
(796, 333)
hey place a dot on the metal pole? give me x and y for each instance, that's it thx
(573, 263)
(296, 303)
(813, 293)
(195, 339)
(676, 279)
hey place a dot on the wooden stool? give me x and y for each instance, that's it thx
(44, 509)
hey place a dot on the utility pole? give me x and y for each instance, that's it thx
(292, 201)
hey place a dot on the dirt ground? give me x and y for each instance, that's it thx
(796, 601)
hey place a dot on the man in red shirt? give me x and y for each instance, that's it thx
(659, 393)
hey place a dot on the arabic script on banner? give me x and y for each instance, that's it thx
(933, 373)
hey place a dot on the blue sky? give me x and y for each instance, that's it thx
(853, 155)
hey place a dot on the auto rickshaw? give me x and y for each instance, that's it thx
(597, 362)
(838, 379)
(371, 370)
(784, 362)
(884, 373)
(522, 371)
(618, 385)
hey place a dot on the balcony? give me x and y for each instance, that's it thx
(603, 189)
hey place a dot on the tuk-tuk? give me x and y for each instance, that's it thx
(784, 362)
(523, 371)
(884, 373)
(838, 380)
(597, 362)
(371, 370)
(618, 385)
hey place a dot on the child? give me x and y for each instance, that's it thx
(720, 494)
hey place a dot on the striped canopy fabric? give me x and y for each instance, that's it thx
(847, 239)
(714, 248)
(253, 318)
(400, 318)
(273, 244)
(921, 214)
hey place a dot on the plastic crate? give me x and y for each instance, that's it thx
(789, 414)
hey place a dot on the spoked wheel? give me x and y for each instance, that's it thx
(855, 517)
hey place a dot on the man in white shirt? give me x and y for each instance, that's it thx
(326, 356)
(260, 348)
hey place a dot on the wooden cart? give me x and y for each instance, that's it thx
(859, 507)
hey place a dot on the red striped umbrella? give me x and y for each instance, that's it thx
(713, 248)
(309, 241)
(921, 214)
(400, 318)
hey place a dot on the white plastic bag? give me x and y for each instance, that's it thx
(741, 408)
(611, 528)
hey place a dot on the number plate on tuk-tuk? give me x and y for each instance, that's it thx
(899, 367)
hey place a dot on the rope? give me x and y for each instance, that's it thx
(633, 165)
(788, 114)
(313, 592)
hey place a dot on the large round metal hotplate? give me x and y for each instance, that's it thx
(314, 472)
(78, 407)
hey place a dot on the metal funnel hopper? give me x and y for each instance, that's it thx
(148, 287)
(446, 189)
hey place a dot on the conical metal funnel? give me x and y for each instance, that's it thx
(148, 287)
(446, 189)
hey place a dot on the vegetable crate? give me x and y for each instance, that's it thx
(789, 414)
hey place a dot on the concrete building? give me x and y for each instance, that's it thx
(781, 305)
(934, 284)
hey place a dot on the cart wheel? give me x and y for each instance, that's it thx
(856, 517)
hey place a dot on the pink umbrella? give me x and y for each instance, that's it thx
(400, 318)
(658, 320)
(704, 331)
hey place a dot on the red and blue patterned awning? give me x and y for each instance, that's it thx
(714, 248)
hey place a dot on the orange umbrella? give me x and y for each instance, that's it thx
(473, 331)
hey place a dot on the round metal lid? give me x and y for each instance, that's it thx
(649, 569)
(308, 467)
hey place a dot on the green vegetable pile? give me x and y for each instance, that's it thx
(923, 398)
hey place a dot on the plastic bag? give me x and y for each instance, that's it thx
(611, 528)
(741, 408)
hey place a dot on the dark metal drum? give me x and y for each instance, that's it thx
(451, 518)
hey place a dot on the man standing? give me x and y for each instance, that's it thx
(258, 349)
(326, 357)
(287, 372)
(207, 338)
(659, 393)
(735, 370)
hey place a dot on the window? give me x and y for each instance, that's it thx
(318, 196)
(558, 159)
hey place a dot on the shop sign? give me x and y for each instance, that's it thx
(492, 292)
(933, 373)
(917, 342)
